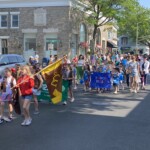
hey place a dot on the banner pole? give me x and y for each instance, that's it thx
(38, 72)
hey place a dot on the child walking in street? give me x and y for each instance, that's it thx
(121, 78)
(25, 84)
(115, 75)
(6, 95)
(38, 82)
(86, 77)
(70, 79)
(74, 69)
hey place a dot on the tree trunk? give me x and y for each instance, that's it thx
(94, 39)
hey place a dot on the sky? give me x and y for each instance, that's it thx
(145, 3)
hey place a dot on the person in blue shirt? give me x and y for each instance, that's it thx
(86, 77)
(115, 76)
(121, 77)
(124, 61)
(74, 69)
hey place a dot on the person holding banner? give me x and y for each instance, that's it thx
(38, 82)
(25, 84)
(70, 78)
(115, 75)
(86, 77)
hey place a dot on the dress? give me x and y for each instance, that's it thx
(134, 69)
(7, 83)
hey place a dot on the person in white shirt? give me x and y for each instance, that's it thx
(6, 95)
(144, 70)
(36, 58)
(80, 66)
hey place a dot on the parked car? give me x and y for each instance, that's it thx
(9, 61)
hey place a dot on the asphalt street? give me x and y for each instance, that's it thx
(93, 122)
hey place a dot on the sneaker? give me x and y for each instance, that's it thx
(1, 121)
(23, 123)
(36, 112)
(115, 92)
(28, 122)
(7, 119)
(131, 90)
(72, 100)
(85, 89)
(64, 103)
(75, 88)
(135, 91)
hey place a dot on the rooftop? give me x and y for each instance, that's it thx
(33, 3)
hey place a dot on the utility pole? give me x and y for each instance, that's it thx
(137, 36)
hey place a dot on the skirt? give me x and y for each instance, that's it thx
(5, 97)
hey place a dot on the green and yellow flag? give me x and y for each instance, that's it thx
(53, 77)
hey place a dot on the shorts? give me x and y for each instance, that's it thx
(5, 97)
(115, 84)
(27, 97)
(121, 81)
(70, 84)
(134, 74)
(36, 92)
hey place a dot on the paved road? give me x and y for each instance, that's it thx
(93, 122)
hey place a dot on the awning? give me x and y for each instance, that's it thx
(99, 46)
(84, 44)
(111, 44)
(125, 48)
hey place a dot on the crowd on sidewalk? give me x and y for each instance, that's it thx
(128, 69)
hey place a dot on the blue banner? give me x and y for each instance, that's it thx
(100, 80)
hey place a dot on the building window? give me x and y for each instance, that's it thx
(14, 20)
(3, 21)
(110, 35)
(51, 44)
(82, 33)
(124, 41)
(30, 44)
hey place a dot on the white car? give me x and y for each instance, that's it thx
(9, 61)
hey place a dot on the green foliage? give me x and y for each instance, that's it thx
(132, 17)
(101, 12)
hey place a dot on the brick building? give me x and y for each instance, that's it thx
(45, 27)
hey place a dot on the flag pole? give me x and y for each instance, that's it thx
(38, 72)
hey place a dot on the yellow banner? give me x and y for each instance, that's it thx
(53, 77)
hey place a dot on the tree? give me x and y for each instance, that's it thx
(138, 22)
(101, 12)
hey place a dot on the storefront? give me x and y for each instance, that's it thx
(111, 46)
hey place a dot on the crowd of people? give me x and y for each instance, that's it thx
(126, 70)
(19, 81)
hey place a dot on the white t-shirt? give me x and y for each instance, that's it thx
(80, 62)
(8, 85)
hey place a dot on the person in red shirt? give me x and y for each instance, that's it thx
(26, 83)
